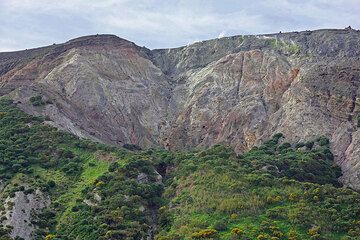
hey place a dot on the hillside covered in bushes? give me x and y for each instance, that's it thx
(67, 188)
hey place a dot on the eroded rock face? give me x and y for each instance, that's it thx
(102, 87)
(351, 163)
(237, 91)
(231, 100)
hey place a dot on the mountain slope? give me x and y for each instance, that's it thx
(56, 186)
(101, 87)
(241, 90)
(237, 91)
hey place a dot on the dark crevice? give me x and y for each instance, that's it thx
(240, 77)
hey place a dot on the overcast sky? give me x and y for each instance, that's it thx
(166, 23)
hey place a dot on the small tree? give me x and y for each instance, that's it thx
(293, 235)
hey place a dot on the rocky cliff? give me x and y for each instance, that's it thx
(235, 90)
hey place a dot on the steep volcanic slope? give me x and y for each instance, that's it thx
(101, 87)
(301, 84)
(238, 90)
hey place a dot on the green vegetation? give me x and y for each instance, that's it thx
(36, 156)
(284, 47)
(358, 120)
(121, 214)
(275, 191)
(278, 190)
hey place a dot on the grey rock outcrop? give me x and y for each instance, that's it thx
(19, 210)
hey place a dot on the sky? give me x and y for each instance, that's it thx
(167, 23)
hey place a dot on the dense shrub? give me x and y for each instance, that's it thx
(132, 147)
(37, 101)
(207, 233)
